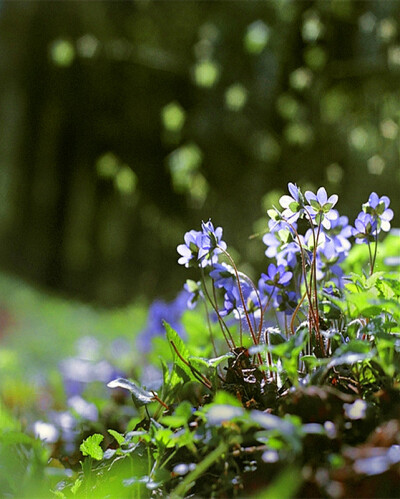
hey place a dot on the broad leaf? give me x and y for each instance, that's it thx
(118, 437)
(211, 362)
(91, 447)
(173, 336)
(140, 397)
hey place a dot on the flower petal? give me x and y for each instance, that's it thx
(333, 199)
(310, 196)
(294, 191)
(373, 200)
(285, 201)
(322, 196)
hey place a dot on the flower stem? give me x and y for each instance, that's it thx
(230, 342)
(241, 295)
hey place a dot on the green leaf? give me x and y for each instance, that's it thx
(58, 493)
(15, 437)
(76, 486)
(354, 346)
(184, 410)
(276, 337)
(348, 358)
(313, 362)
(371, 281)
(214, 362)
(285, 486)
(140, 397)
(173, 336)
(273, 214)
(173, 421)
(118, 437)
(225, 398)
(181, 415)
(91, 447)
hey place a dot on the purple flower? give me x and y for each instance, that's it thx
(159, 312)
(365, 228)
(223, 276)
(320, 208)
(195, 293)
(277, 277)
(211, 243)
(379, 209)
(308, 242)
(272, 242)
(279, 235)
(339, 233)
(286, 301)
(201, 248)
(233, 301)
(190, 250)
(288, 255)
(292, 205)
(328, 260)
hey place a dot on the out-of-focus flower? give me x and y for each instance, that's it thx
(78, 372)
(84, 409)
(194, 293)
(286, 301)
(339, 233)
(45, 431)
(159, 312)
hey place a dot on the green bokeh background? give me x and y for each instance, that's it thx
(124, 124)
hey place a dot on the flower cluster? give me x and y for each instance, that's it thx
(374, 217)
(297, 260)
(201, 247)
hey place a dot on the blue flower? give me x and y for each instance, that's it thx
(339, 233)
(233, 301)
(277, 277)
(320, 208)
(159, 312)
(273, 243)
(286, 301)
(201, 248)
(190, 250)
(195, 293)
(223, 276)
(293, 205)
(365, 228)
(379, 209)
(211, 243)
(288, 255)
(328, 260)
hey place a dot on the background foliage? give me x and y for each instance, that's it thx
(124, 123)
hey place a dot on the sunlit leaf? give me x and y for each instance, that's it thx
(118, 437)
(140, 396)
(91, 447)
